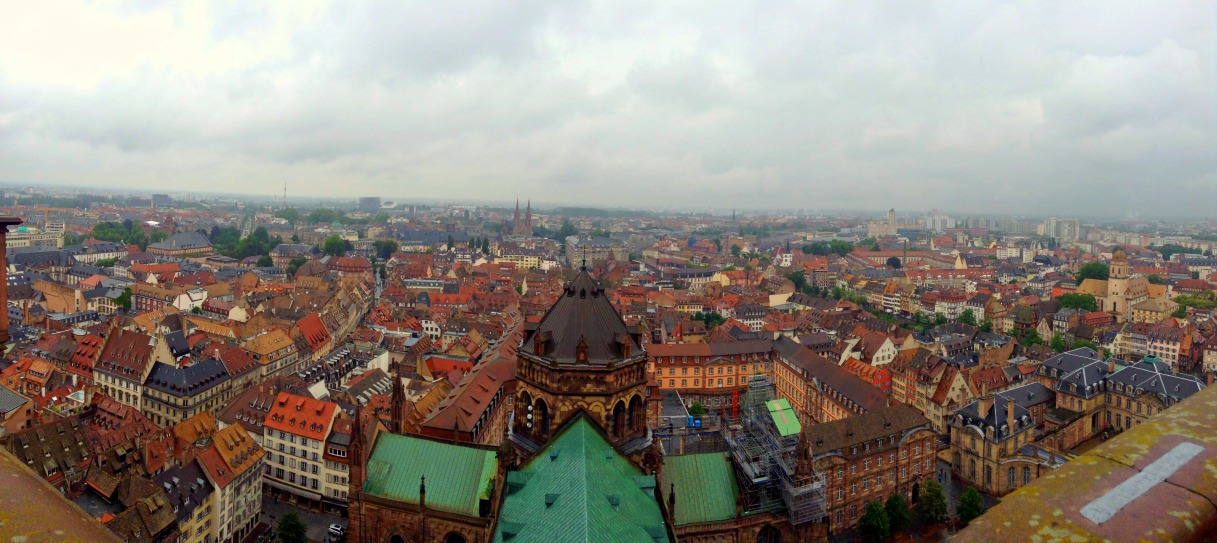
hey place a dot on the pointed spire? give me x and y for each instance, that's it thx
(422, 491)
(397, 402)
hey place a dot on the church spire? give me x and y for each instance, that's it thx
(397, 402)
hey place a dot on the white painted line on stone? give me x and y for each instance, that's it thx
(1106, 506)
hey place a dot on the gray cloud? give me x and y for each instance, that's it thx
(1070, 108)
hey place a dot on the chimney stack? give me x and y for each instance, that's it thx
(1009, 414)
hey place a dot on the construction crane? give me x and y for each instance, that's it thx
(46, 213)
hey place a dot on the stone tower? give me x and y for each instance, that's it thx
(580, 358)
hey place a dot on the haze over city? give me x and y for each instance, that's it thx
(1081, 108)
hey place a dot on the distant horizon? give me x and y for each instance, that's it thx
(546, 205)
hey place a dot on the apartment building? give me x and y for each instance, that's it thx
(295, 432)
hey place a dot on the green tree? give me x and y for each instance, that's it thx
(106, 262)
(291, 529)
(1032, 338)
(967, 317)
(385, 248)
(196, 310)
(325, 215)
(1074, 300)
(931, 504)
(1057, 343)
(939, 319)
(290, 214)
(294, 264)
(986, 326)
(336, 246)
(485, 246)
(1083, 343)
(124, 300)
(380, 217)
(874, 247)
(971, 505)
(568, 229)
(1155, 279)
(799, 279)
(735, 250)
(697, 409)
(838, 247)
(1179, 312)
(265, 261)
(874, 524)
(1204, 302)
(898, 514)
(158, 236)
(451, 242)
(1091, 270)
(711, 319)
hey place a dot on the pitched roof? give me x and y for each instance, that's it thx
(580, 488)
(301, 415)
(582, 314)
(460, 476)
(705, 487)
(839, 434)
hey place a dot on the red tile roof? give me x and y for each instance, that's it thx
(301, 416)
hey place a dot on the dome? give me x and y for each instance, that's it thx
(1120, 256)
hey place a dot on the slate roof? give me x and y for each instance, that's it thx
(10, 401)
(582, 313)
(1080, 368)
(580, 488)
(185, 487)
(458, 477)
(705, 487)
(1024, 397)
(183, 241)
(1155, 378)
(189, 380)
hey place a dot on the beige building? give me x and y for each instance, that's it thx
(1153, 310)
(1120, 291)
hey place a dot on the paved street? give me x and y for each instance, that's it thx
(318, 523)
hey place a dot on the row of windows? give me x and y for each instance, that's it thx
(710, 371)
(305, 481)
(709, 382)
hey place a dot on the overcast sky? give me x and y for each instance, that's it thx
(1071, 107)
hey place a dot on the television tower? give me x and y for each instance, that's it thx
(285, 195)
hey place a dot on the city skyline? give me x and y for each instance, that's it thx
(986, 108)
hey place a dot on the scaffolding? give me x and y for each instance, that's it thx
(764, 443)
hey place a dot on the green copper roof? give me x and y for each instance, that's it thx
(457, 477)
(579, 488)
(704, 484)
(784, 417)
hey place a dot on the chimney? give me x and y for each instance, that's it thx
(983, 403)
(1010, 414)
(1111, 366)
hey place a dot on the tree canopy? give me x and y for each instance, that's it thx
(1074, 300)
(967, 317)
(385, 248)
(1091, 270)
(971, 505)
(932, 505)
(335, 246)
(291, 529)
(898, 515)
(875, 525)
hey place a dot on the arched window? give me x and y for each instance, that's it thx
(454, 538)
(769, 534)
(1010, 477)
(619, 415)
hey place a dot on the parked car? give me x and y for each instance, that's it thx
(337, 530)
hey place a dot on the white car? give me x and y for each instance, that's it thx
(337, 530)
